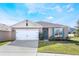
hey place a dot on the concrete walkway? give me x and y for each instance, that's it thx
(52, 54)
(19, 48)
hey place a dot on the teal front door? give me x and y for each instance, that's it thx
(45, 33)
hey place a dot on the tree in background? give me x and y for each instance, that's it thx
(77, 28)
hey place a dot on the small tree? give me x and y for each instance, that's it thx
(77, 28)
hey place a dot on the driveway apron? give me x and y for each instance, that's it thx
(20, 47)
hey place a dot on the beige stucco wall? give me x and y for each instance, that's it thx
(65, 32)
(50, 32)
(5, 35)
(13, 34)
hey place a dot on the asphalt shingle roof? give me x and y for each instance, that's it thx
(48, 24)
(4, 27)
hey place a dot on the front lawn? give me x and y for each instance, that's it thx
(3, 43)
(63, 47)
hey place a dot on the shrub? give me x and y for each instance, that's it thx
(52, 38)
(41, 36)
(58, 38)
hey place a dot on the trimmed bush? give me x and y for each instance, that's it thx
(41, 36)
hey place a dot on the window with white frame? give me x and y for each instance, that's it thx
(58, 32)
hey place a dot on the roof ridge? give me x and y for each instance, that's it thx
(41, 22)
(18, 22)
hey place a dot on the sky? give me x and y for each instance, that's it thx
(60, 13)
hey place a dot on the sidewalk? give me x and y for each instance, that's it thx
(52, 54)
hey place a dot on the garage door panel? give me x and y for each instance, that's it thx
(27, 34)
(32, 34)
(20, 34)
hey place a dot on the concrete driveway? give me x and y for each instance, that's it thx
(20, 47)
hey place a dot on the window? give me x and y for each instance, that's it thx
(58, 32)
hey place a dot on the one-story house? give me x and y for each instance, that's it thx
(5, 32)
(28, 30)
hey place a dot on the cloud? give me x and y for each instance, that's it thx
(50, 17)
(58, 8)
(31, 8)
(69, 8)
(7, 19)
(10, 17)
(36, 8)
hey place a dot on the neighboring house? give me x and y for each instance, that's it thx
(71, 32)
(5, 32)
(27, 30)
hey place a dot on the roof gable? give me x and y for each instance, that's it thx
(4, 27)
(23, 24)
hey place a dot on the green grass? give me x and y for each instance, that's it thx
(75, 38)
(63, 47)
(3, 43)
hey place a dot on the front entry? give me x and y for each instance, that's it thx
(45, 33)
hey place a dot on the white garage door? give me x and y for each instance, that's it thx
(27, 34)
